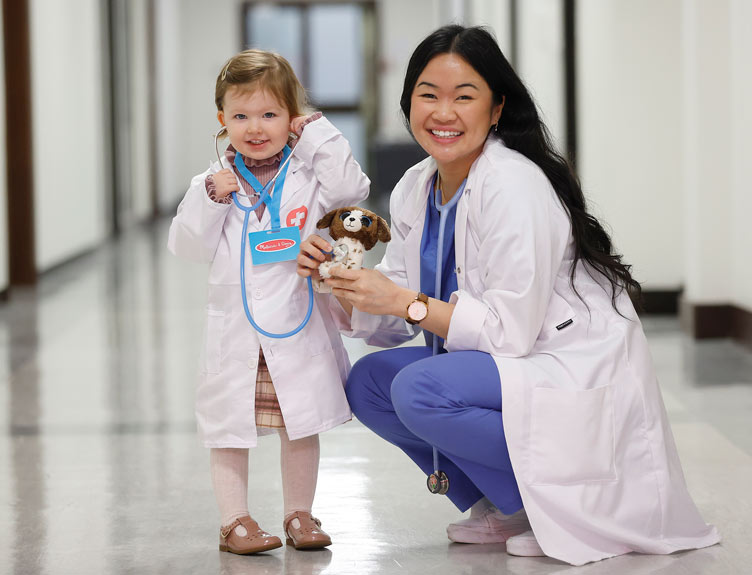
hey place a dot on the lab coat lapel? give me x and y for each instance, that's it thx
(416, 218)
(460, 229)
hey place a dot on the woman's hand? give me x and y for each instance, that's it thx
(369, 291)
(311, 255)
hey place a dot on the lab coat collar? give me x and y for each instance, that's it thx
(415, 209)
(415, 204)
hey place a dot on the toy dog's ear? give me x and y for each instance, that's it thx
(326, 221)
(384, 234)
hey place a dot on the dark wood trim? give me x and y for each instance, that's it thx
(22, 268)
(570, 80)
(109, 70)
(709, 321)
(660, 302)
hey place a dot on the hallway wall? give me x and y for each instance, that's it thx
(718, 87)
(630, 130)
(194, 39)
(68, 128)
(664, 123)
(662, 119)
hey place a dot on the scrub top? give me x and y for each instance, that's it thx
(429, 244)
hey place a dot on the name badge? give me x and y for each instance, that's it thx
(269, 246)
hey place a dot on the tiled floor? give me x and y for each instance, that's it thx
(101, 472)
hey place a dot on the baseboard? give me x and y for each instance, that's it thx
(660, 302)
(709, 321)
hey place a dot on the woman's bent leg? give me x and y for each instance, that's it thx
(369, 393)
(453, 401)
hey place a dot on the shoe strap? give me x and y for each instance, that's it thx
(224, 532)
(298, 515)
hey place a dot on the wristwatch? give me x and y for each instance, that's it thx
(417, 310)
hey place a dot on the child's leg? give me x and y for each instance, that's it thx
(229, 469)
(239, 533)
(300, 470)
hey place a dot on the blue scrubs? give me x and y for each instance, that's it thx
(429, 245)
(451, 401)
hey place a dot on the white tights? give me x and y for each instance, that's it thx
(300, 469)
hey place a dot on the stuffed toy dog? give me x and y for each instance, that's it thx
(354, 230)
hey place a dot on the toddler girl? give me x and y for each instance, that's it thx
(252, 384)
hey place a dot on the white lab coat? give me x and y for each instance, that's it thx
(308, 369)
(585, 424)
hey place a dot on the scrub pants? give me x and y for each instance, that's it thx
(451, 401)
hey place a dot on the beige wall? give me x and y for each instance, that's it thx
(194, 38)
(630, 130)
(664, 145)
(68, 128)
(717, 86)
(663, 118)
(740, 15)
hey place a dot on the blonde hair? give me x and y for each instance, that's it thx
(254, 69)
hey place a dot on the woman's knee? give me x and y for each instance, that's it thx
(411, 392)
(358, 386)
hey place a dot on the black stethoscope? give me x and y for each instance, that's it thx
(438, 482)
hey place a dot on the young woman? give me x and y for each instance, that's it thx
(545, 411)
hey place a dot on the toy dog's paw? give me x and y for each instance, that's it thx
(321, 287)
(324, 269)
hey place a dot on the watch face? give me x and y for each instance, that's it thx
(417, 310)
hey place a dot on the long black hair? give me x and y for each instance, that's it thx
(521, 129)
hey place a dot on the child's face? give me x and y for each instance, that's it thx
(257, 123)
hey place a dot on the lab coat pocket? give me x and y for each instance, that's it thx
(572, 436)
(215, 327)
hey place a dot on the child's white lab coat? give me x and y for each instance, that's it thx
(308, 369)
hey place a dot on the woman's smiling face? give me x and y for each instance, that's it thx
(452, 111)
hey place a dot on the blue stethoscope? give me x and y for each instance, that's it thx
(273, 202)
(438, 482)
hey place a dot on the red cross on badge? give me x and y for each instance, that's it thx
(297, 217)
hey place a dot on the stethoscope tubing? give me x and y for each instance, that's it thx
(443, 214)
(245, 295)
(248, 210)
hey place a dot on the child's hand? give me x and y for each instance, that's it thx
(311, 255)
(296, 125)
(225, 183)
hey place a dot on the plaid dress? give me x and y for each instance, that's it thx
(268, 413)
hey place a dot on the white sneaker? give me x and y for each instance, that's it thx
(490, 526)
(524, 545)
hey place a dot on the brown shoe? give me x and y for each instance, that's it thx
(306, 532)
(255, 540)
